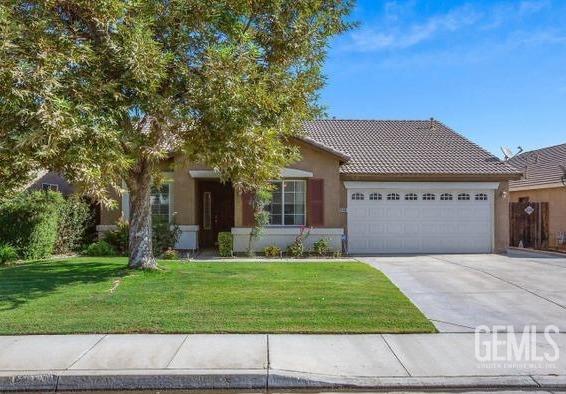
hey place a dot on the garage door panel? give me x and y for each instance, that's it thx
(420, 226)
(377, 228)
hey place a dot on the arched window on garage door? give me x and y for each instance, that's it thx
(375, 196)
(357, 196)
(393, 197)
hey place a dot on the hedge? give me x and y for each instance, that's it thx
(29, 223)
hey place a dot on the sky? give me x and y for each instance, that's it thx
(494, 71)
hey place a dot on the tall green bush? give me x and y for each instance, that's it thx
(225, 244)
(29, 223)
(75, 217)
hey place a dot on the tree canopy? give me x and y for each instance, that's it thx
(102, 91)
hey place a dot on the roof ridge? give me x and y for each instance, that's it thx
(539, 149)
(368, 120)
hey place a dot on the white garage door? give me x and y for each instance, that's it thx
(451, 219)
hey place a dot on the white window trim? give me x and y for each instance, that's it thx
(283, 204)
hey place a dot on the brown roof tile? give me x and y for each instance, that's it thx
(540, 167)
(408, 147)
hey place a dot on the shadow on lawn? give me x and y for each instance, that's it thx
(22, 283)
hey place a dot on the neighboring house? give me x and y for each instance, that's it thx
(543, 181)
(48, 180)
(384, 186)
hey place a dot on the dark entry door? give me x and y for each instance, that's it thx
(216, 211)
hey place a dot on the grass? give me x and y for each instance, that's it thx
(98, 295)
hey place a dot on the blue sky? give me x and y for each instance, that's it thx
(493, 70)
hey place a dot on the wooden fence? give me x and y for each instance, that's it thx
(529, 224)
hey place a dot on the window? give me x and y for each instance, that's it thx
(49, 187)
(481, 197)
(393, 197)
(160, 203)
(429, 197)
(358, 196)
(446, 197)
(287, 207)
(463, 197)
(411, 197)
(206, 210)
(375, 196)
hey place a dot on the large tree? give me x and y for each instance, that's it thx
(105, 90)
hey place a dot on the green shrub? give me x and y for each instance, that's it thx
(29, 223)
(321, 247)
(297, 248)
(272, 251)
(119, 237)
(170, 254)
(74, 219)
(225, 244)
(99, 248)
(7, 253)
(164, 236)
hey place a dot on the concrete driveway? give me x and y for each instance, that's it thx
(461, 292)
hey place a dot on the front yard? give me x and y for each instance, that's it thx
(98, 295)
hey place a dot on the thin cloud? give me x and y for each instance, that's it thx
(370, 40)
(395, 33)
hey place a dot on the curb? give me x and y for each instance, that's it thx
(261, 380)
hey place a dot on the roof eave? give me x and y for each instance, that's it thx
(344, 158)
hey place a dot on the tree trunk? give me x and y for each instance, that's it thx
(140, 245)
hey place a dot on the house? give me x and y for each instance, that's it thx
(544, 180)
(49, 180)
(379, 186)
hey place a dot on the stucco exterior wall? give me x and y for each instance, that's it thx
(501, 217)
(324, 166)
(556, 198)
(53, 178)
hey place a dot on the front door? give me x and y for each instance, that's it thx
(216, 211)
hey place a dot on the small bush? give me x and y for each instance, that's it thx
(119, 237)
(99, 248)
(225, 244)
(164, 236)
(296, 249)
(29, 223)
(321, 247)
(74, 218)
(170, 254)
(7, 253)
(272, 251)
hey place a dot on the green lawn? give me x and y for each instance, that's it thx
(98, 295)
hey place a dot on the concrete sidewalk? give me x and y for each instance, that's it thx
(384, 362)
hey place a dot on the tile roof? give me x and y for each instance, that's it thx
(404, 147)
(540, 167)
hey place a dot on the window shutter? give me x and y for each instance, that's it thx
(247, 209)
(315, 202)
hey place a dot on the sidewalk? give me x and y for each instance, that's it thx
(261, 362)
